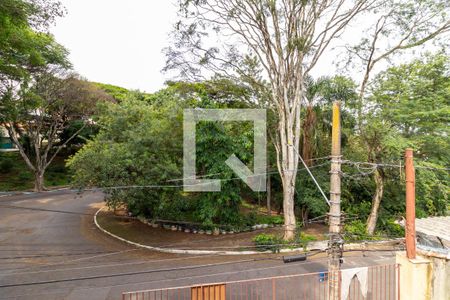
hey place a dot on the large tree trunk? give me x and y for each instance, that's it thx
(287, 153)
(39, 181)
(376, 201)
(288, 206)
(289, 161)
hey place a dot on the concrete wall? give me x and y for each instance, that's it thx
(415, 277)
(423, 278)
(440, 281)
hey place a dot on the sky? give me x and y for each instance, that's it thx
(117, 42)
(120, 42)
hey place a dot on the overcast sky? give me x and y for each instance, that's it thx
(116, 41)
(120, 42)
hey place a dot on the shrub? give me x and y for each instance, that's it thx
(356, 230)
(6, 164)
(277, 220)
(266, 242)
(306, 237)
(57, 169)
(251, 218)
(393, 229)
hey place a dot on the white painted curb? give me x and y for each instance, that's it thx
(317, 245)
(187, 251)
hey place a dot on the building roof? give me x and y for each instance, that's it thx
(435, 226)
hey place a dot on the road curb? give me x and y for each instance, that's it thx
(191, 251)
(312, 246)
(15, 193)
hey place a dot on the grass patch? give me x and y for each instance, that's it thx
(275, 243)
(16, 176)
(271, 242)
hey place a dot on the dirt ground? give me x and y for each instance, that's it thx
(136, 231)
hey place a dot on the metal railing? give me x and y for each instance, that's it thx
(368, 283)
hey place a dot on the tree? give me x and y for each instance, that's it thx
(39, 113)
(25, 46)
(273, 45)
(319, 97)
(316, 133)
(132, 149)
(137, 165)
(283, 39)
(400, 25)
(26, 51)
(408, 108)
(413, 98)
(383, 144)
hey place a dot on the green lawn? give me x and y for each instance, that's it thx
(15, 175)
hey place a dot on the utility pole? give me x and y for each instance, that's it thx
(335, 243)
(410, 228)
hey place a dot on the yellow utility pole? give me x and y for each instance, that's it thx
(335, 243)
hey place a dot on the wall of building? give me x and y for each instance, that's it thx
(415, 277)
(425, 278)
(440, 281)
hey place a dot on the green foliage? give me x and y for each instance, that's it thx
(268, 242)
(356, 230)
(306, 237)
(302, 239)
(132, 148)
(390, 228)
(6, 164)
(414, 99)
(83, 134)
(274, 243)
(23, 44)
(265, 219)
(120, 93)
(17, 177)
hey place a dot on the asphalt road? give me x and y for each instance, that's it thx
(51, 249)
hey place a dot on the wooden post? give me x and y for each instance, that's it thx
(410, 228)
(335, 242)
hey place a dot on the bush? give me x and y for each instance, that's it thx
(264, 219)
(392, 229)
(6, 164)
(57, 169)
(356, 230)
(304, 239)
(266, 242)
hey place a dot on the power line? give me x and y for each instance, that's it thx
(54, 255)
(182, 268)
(190, 185)
(370, 166)
(17, 271)
(129, 273)
(312, 176)
(273, 171)
(315, 261)
(161, 186)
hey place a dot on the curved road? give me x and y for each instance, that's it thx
(50, 249)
